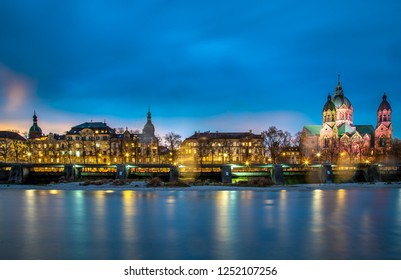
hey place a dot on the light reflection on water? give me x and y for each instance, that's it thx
(319, 224)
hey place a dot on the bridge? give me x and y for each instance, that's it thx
(227, 173)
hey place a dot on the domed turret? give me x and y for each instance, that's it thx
(384, 105)
(384, 112)
(329, 111)
(344, 112)
(339, 98)
(149, 129)
(35, 131)
(329, 104)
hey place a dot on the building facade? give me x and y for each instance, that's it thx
(338, 139)
(96, 143)
(12, 147)
(222, 148)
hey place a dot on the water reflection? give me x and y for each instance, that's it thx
(319, 224)
(224, 221)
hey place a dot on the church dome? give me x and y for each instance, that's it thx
(341, 100)
(149, 129)
(384, 105)
(329, 106)
(339, 97)
(35, 131)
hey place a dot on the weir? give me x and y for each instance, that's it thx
(279, 174)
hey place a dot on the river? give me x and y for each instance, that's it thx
(289, 225)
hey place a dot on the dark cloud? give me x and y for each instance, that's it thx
(202, 58)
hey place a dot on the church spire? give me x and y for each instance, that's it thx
(339, 88)
(149, 114)
(35, 118)
(35, 131)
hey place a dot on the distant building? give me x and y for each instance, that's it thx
(12, 147)
(222, 148)
(35, 131)
(95, 143)
(291, 155)
(338, 139)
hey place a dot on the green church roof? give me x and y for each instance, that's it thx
(365, 129)
(346, 128)
(313, 129)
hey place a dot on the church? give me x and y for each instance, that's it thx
(338, 139)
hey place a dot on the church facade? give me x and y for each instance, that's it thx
(338, 139)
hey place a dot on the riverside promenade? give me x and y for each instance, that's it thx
(142, 186)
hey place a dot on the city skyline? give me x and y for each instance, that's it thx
(199, 65)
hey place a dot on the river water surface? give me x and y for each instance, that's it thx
(316, 224)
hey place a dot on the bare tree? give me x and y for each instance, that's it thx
(5, 149)
(330, 149)
(173, 142)
(396, 150)
(275, 140)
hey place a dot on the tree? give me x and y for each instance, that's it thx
(5, 149)
(396, 150)
(173, 142)
(275, 140)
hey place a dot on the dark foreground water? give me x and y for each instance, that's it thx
(329, 224)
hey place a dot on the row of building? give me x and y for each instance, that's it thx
(337, 138)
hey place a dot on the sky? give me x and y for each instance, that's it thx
(200, 65)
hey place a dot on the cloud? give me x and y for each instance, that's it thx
(16, 90)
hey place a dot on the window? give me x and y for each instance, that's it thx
(326, 142)
(76, 137)
(382, 141)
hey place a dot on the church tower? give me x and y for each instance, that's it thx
(148, 131)
(329, 112)
(35, 131)
(344, 107)
(384, 128)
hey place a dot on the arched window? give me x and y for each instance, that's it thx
(382, 141)
(326, 142)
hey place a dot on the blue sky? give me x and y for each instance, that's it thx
(200, 65)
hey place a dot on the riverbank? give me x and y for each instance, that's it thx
(141, 186)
